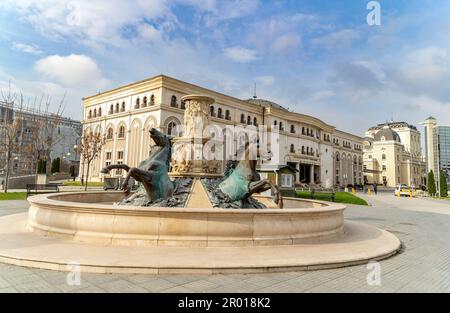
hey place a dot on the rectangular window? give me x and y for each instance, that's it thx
(286, 180)
(384, 167)
(383, 157)
(120, 155)
(108, 155)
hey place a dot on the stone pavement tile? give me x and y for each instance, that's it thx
(72, 288)
(223, 280)
(157, 285)
(121, 285)
(346, 283)
(264, 280)
(20, 279)
(90, 289)
(200, 285)
(4, 283)
(242, 286)
(323, 289)
(8, 290)
(184, 279)
(35, 287)
(178, 289)
(142, 279)
(97, 279)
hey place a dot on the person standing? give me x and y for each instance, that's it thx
(375, 188)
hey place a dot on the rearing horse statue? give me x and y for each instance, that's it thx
(152, 172)
(244, 180)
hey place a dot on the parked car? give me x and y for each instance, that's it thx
(403, 191)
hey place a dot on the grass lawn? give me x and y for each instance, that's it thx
(13, 196)
(339, 197)
(78, 183)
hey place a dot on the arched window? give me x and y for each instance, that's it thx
(117, 107)
(152, 100)
(337, 157)
(281, 126)
(292, 129)
(303, 130)
(121, 132)
(110, 133)
(219, 113)
(255, 121)
(227, 115)
(242, 118)
(212, 111)
(90, 114)
(111, 109)
(183, 105)
(95, 112)
(303, 149)
(123, 106)
(144, 103)
(292, 148)
(307, 150)
(275, 123)
(138, 102)
(99, 111)
(249, 120)
(171, 128)
(173, 101)
(312, 133)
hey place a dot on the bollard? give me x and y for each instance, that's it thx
(368, 191)
(410, 194)
(353, 191)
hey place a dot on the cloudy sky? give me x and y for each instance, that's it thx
(314, 57)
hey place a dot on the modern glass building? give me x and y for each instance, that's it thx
(441, 144)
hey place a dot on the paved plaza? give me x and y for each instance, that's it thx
(423, 225)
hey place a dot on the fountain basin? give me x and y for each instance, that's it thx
(92, 218)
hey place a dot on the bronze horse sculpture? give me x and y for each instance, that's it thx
(242, 180)
(152, 173)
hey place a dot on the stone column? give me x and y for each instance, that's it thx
(311, 173)
(189, 157)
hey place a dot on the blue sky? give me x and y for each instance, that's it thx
(315, 57)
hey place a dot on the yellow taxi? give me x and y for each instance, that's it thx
(404, 191)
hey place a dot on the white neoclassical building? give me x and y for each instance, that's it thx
(393, 155)
(316, 150)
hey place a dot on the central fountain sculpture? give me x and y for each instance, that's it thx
(188, 217)
(234, 190)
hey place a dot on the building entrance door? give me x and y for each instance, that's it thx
(305, 173)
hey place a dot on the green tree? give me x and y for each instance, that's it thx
(431, 184)
(56, 165)
(443, 184)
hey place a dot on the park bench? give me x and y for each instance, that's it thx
(41, 188)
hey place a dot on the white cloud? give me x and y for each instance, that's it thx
(286, 43)
(93, 20)
(339, 39)
(265, 80)
(72, 70)
(240, 54)
(22, 47)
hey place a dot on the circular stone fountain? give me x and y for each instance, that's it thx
(198, 225)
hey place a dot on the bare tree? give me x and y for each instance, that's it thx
(89, 149)
(44, 133)
(11, 119)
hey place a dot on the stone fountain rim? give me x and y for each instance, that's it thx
(46, 200)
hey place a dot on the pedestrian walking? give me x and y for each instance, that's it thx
(375, 188)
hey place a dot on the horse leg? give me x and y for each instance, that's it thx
(106, 170)
(139, 175)
(263, 185)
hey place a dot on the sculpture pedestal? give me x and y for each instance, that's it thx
(193, 154)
